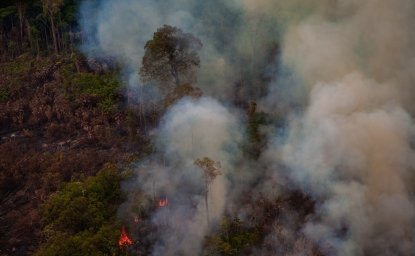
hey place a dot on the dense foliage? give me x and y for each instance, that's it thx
(105, 87)
(37, 26)
(63, 118)
(171, 57)
(232, 238)
(80, 218)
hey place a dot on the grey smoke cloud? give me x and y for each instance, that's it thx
(344, 81)
(190, 129)
(233, 38)
(351, 148)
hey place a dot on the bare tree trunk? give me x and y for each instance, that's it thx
(3, 41)
(154, 190)
(29, 34)
(45, 34)
(54, 39)
(20, 13)
(175, 75)
(61, 41)
(78, 69)
(206, 201)
(142, 114)
(37, 48)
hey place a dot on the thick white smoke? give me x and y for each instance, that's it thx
(232, 38)
(190, 130)
(351, 148)
(352, 151)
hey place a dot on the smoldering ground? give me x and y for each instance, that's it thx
(341, 75)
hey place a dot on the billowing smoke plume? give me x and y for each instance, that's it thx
(238, 46)
(351, 148)
(341, 75)
(190, 130)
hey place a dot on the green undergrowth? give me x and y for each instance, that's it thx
(232, 238)
(24, 64)
(4, 94)
(80, 219)
(15, 73)
(104, 86)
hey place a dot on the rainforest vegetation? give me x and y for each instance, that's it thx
(272, 127)
(71, 133)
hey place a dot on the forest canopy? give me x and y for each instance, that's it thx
(38, 25)
(171, 57)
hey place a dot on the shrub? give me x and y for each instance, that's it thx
(4, 94)
(232, 238)
(102, 242)
(102, 86)
(80, 218)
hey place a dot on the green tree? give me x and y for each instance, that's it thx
(80, 218)
(232, 238)
(51, 8)
(210, 169)
(171, 56)
(181, 91)
(35, 25)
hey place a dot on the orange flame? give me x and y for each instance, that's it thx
(163, 202)
(124, 239)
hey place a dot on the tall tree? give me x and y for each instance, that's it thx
(171, 56)
(210, 169)
(51, 8)
(7, 10)
(21, 8)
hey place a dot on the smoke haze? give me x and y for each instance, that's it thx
(352, 146)
(341, 73)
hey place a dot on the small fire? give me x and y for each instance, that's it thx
(124, 239)
(163, 202)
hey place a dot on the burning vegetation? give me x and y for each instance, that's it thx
(163, 202)
(124, 240)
